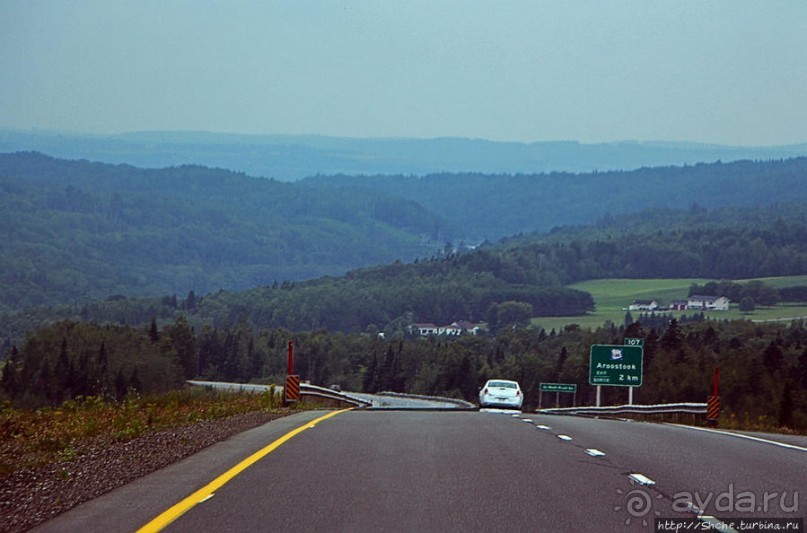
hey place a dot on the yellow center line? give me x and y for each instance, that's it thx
(171, 514)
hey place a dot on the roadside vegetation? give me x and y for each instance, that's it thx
(34, 437)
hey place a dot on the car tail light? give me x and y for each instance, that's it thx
(485, 391)
(518, 393)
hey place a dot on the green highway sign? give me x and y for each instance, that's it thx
(558, 387)
(616, 365)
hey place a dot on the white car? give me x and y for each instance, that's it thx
(501, 393)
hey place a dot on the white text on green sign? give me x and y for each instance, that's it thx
(558, 387)
(616, 365)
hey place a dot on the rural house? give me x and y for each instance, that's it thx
(461, 327)
(643, 305)
(711, 303)
(678, 305)
(423, 329)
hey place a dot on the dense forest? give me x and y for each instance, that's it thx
(79, 232)
(495, 206)
(530, 272)
(763, 367)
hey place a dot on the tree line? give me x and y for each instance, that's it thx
(763, 367)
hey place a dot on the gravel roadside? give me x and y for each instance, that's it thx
(30, 497)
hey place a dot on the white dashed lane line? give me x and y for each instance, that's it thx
(641, 479)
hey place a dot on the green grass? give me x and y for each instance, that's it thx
(613, 296)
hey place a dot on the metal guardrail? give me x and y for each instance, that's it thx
(669, 408)
(329, 394)
(461, 404)
(305, 390)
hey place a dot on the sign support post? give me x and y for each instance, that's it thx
(557, 388)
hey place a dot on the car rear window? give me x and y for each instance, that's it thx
(505, 384)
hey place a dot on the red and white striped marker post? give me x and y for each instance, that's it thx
(713, 401)
(291, 391)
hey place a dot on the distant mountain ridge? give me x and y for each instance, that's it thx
(293, 157)
(489, 207)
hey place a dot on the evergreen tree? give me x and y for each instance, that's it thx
(801, 369)
(190, 301)
(564, 354)
(46, 383)
(184, 344)
(134, 381)
(64, 374)
(772, 357)
(672, 338)
(121, 385)
(154, 333)
(786, 407)
(102, 363)
(9, 376)
(370, 379)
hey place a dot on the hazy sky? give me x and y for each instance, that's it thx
(729, 72)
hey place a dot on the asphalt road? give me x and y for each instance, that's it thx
(463, 471)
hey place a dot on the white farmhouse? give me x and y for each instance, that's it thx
(461, 327)
(708, 303)
(424, 328)
(643, 305)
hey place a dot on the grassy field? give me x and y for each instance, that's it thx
(613, 296)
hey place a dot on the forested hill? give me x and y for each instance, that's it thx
(76, 231)
(508, 282)
(495, 206)
(525, 276)
(80, 231)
